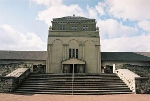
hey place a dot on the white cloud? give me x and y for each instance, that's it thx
(100, 8)
(47, 2)
(13, 40)
(111, 28)
(145, 25)
(127, 44)
(91, 12)
(129, 9)
(56, 9)
(59, 11)
(119, 37)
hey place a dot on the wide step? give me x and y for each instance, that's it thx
(81, 84)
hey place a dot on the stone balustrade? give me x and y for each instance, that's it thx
(128, 78)
(142, 83)
(11, 81)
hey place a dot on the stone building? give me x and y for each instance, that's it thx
(73, 46)
(11, 60)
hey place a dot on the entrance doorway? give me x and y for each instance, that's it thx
(78, 68)
(75, 68)
(73, 65)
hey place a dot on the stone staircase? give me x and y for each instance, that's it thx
(83, 84)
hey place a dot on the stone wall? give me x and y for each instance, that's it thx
(119, 64)
(142, 83)
(11, 81)
(8, 68)
(128, 78)
(142, 71)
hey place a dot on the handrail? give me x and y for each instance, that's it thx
(72, 78)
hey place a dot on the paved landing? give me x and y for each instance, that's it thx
(36, 97)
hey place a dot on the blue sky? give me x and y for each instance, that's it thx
(124, 24)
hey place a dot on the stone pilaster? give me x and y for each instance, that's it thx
(98, 58)
(83, 51)
(80, 51)
(65, 51)
(49, 58)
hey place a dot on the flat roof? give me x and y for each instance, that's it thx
(23, 55)
(125, 56)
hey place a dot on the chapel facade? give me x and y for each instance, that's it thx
(73, 46)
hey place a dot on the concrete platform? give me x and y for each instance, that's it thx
(45, 97)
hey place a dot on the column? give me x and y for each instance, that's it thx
(83, 51)
(31, 67)
(67, 51)
(84, 67)
(62, 68)
(114, 68)
(80, 51)
(64, 51)
(49, 58)
(98, 58)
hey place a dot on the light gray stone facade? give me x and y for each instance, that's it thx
(73, 38)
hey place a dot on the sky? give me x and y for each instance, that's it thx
(124, 24)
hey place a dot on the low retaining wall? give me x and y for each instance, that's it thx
(11, 81)
(142, 85)
(128, 78)
(138, 85)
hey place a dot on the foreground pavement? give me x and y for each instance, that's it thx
(44, 97)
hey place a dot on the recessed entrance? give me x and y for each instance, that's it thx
(78, 68)
(73, 65)
(75, 68)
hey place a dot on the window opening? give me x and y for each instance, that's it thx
(85, 28)
(69, 53)
(62, 27)
(73, 53)
(76, 53)
(73, 27)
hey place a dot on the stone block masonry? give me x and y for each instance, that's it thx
(11, 81)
